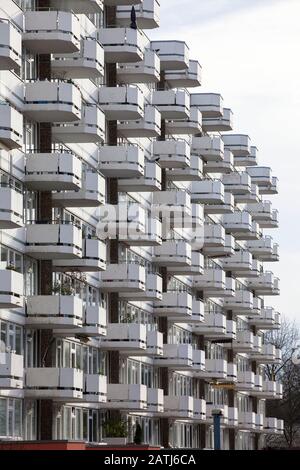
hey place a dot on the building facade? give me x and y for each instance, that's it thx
(134, 228)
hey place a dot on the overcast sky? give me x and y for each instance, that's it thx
(250, 53)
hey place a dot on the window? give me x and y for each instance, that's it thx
(11, 337)
(10, 418)
(11, 259)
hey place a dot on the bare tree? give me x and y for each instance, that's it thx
(288, 409)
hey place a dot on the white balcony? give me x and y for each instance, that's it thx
(121, 2)
(280, 426)
(53, 241)
(88, 63)
(246, 159)
(240, 261)
(89, 129)
(231, 372)
(267, 320)
(11, 288)
(198, 362)
(267, 354)
(239, 223)
(174, 55)
(213, 326)
(155, 343)
(233, 417)
(209, 148)
(121, 103)
(81, 6)
(59, 384)
(11, 126)
(123, 161)
(193, 172)
(172, 104)
(264, 249)
(257, 302)
(238, 144)
(242, 303)
(268, 389)
(123, 278)
(172, 205)
(189, 126)
(172, 153)
(57, 171)
(223, 166)
(230, 329)
(216, 406)
(227, 207)
(210, 104)
(237, 183)
(54, 311)
(95, 388)
(173, 253)
(155, 400)
(94, 322)
(196, 268)
(265, 284)
(91, 194)
(261, 212)
(214, 235)
(150, 235)
(181, 408)
(127, 338)
(93, 258)
(270, 188)
(258, 385)
(247, 420)
(228, 292)
(244, 342)
(11, 370)
(245, 381)
(127, 221)
(175, 304)
(11, 208)
(176, 356)
(122, 44)
(50, 32)
(147, 14)
(249, 197)
(208, 192)
(199, 410)
(261, 175)
(145, 71)
(56, 101)
(149, 126)
(270, 425)
(153, 289)
(279, 391)
(225, 250)
(127, 397)
(213, 281)
(219, 124)
(187, 78)
(197, 316)
(11, 46)
(215, 369)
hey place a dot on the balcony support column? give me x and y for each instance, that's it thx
(45, 407)
(202, 427)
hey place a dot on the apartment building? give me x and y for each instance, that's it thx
(134, 228)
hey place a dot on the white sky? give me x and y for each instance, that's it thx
(250, 53)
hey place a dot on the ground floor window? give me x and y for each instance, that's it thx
(150, 429)
(78, 424)
(184, 436)
(10, 418)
